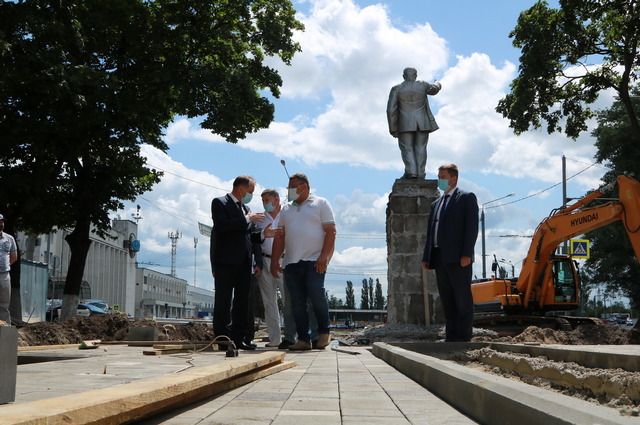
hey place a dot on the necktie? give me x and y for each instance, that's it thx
(443, 208)
(438, 220)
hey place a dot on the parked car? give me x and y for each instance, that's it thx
(54, 310)
(98, 303)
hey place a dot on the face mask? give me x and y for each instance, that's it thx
(443, 184)
(268, 207)
(247, 198)
(292, 195)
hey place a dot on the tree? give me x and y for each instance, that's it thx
(370, 287)
(364, 295)
(379, 298)
(613, 261)
(335, 302)
(84, 85)
(556, 78)
(350, 299)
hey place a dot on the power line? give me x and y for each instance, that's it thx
(189, 179)
(542, 191)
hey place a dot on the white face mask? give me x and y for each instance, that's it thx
(292, 194)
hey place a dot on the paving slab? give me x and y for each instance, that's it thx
(325, 387)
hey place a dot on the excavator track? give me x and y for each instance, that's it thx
(511, 325)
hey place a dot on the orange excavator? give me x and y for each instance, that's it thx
(549, 282)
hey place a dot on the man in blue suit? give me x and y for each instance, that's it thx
(451, 237)
(232, 260)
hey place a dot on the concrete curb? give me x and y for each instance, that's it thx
(491, 399)
(147, 397)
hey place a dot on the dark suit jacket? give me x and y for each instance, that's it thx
(233, 240)
(458, 228)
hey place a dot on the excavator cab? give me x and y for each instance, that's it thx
(566, 285)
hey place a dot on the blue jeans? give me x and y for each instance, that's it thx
(304, 282)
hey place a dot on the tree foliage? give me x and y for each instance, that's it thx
(568, 56)
(612, 259)
(85, 83)
(378, 301)
(364, 295)
(350, 297)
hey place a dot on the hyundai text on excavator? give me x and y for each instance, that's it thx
(549, 282)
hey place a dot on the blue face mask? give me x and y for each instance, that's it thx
(268, 207)
(443, 184)
(247, 198)
(292, 194)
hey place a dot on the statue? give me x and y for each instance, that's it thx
(411, 121)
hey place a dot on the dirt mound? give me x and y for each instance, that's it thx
(582, 335)
(110, 327)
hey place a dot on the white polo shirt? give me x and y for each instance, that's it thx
(303, 231)
(7, 246)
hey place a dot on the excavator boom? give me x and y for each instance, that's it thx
(543, 273)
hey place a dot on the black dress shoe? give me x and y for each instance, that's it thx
(250, 343)
(245, 346)
(285, 344)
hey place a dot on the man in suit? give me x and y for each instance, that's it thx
(410, 120)
(232, 260)
(451, 237)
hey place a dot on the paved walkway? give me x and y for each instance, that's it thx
(327, 388)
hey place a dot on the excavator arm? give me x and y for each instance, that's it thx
(572, 221)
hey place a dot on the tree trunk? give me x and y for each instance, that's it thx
(79, 244)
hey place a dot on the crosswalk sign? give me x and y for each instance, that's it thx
(580, 249)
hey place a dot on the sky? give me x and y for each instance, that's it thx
(330, 123)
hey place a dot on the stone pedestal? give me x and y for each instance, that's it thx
(8, 363)
(412, 294)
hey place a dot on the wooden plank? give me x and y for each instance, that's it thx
(143, 398)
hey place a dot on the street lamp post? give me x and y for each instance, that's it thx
(484, 255)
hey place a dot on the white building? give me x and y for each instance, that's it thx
(111, 273)
(199, 302)
(159, 294)
(110, 269)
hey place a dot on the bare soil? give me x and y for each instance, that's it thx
(110, 327)
(582, 335)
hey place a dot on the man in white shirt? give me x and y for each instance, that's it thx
(268, 284)
(8, 256)
(307, 240)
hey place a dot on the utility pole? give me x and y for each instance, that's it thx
(174, 243)
(195, 258)
(565, 245)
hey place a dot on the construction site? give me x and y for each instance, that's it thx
(144, 372)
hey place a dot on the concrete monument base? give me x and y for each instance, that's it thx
(413, 294)
(8, 363)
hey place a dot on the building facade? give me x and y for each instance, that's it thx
(160, 295)
(110, 269)
(199, 302)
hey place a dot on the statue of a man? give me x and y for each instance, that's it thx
(411, 121)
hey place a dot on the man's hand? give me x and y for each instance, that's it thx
(425, 265)
(275, 267)
(321, 264)
(465, 261)
(270, 232)
(257, 271)
(256, 217)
